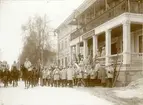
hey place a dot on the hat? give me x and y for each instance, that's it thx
(103, 47)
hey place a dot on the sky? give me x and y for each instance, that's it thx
(14, 13)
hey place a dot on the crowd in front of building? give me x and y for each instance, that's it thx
(73, 75)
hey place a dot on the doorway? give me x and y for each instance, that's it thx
(113, 48)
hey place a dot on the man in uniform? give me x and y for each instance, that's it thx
(5, 73)
(48, 76)
(14, 74)
(1, 72)
(103, 53)
(70, 76)
(98, 53)
(102, 74)
(110, 73)
(28, 66)
(44, 76)
(56, 74)
(63, 76)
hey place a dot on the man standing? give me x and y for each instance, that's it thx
(85, 75)
(56, 74)
(48, 76)
(63, 77)
(1, 72)
(70, 76)
(5, 73)
(44, 76)
(110, 72)
(27, 65)
(102, 75)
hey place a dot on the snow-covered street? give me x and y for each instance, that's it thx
(130, 95)
(48, 96)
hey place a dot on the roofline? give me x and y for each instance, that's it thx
(70, 16)
(80, 9)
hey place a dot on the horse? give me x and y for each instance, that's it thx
(15, 74)
(5, 78)
(1, 76)
(25, 76)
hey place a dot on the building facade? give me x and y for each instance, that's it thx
(113, 30)
(64, 51)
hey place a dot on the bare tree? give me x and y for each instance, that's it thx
(36, 40)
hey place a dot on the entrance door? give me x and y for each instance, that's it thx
(65, 61)
(113, 48)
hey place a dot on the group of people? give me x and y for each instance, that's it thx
(7, 75)
(54, 76)
(78, 75)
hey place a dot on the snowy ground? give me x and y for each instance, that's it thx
(130, 95)
(48, 96)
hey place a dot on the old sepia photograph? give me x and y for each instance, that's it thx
(71, 52)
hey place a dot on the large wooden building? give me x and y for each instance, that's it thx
(115, 26)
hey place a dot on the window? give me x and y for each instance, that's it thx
(66, 43)
(141, 44)
(62, 45)
(65, 61)
(62, 62)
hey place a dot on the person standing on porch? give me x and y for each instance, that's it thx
(103, 52)
(98, 53)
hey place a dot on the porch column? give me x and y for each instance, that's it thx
(77, 50)
(85, 49)
(108, 46)
(126, 42)
(95, 45)
(71, 52)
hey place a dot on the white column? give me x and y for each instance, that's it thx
(77, 49)
(85, 49)
(95, 45)
(126, 42)
(70, 57)
(108, 45)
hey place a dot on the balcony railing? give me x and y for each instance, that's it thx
(135, 7)
(137, 58)
(116, 58)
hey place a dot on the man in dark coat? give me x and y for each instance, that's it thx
(6, 77)
(15, 74)
(102, 75)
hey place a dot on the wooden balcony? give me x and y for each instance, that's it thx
(118, 9)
